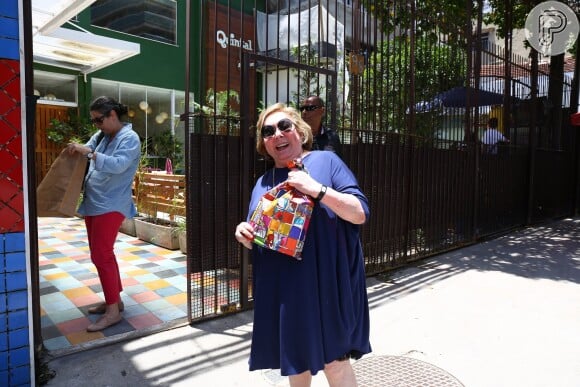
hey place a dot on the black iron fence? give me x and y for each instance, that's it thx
(410, 92)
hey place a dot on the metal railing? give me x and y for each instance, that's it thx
(391, 80)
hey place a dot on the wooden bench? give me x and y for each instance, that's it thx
(156, 192)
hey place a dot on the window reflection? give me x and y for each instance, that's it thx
(154, 112)
(151, 19)
(55, 89)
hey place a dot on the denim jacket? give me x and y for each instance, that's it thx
(108, 183)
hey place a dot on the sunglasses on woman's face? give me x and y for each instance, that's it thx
(309, 108)
(284, 125)
(98, 120)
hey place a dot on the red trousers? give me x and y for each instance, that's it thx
(102, 232)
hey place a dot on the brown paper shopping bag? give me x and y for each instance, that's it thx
(58, 193)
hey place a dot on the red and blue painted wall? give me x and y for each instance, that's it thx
(15, 339)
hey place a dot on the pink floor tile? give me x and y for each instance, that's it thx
(144, 321)
(145, 296)
(72, 326)
(130, 281)
(86, 300)
(91, 281)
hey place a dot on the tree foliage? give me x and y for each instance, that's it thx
(519, 13)
(430, 17)
(437, 67)
(441, 29)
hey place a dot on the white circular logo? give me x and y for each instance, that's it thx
(551, 28)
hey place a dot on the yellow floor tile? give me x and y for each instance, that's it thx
(77, 292)
(55, 276)
(137, 272)
(130, 257)
(177, 299)
(157, 284)
(83, 337)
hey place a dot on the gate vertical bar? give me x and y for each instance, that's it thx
(188, 192)
(574, 100)
(31, 178)
(533, 137)
(355, 78)
(411, 155)
(245, 152)
(475, 123)
(468, 124)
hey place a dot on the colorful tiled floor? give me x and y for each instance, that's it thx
(154, 281)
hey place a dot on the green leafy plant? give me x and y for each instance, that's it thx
(75, 129)
(309, 80)
(221, 110)
(167, 146)
(141, 169)
(180, 224)
(222, 102)
(437, 67)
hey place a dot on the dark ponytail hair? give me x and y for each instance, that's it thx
(104, 105)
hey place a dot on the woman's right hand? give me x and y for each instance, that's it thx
(73, 147)
(245, 234)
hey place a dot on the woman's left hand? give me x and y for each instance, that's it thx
(304, 183)
(346, 206)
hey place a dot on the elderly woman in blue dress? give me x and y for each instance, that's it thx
(309, 314)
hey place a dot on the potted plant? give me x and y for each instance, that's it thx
(128, 225)
(161, 198)
(157, 231)
(74, 129)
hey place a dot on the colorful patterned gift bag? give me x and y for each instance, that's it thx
(281, 220)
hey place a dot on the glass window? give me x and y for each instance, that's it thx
(154, 113)
(55, 89)
(178, 125)
(151, 19)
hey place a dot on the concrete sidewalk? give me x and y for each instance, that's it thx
(505, 312)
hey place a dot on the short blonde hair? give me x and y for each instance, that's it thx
(300, 126)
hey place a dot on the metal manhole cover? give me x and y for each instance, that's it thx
(399, 371)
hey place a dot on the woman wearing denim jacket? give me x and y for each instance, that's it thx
(114, 154)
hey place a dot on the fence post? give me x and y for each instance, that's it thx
(532, 137)
(574, 94)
